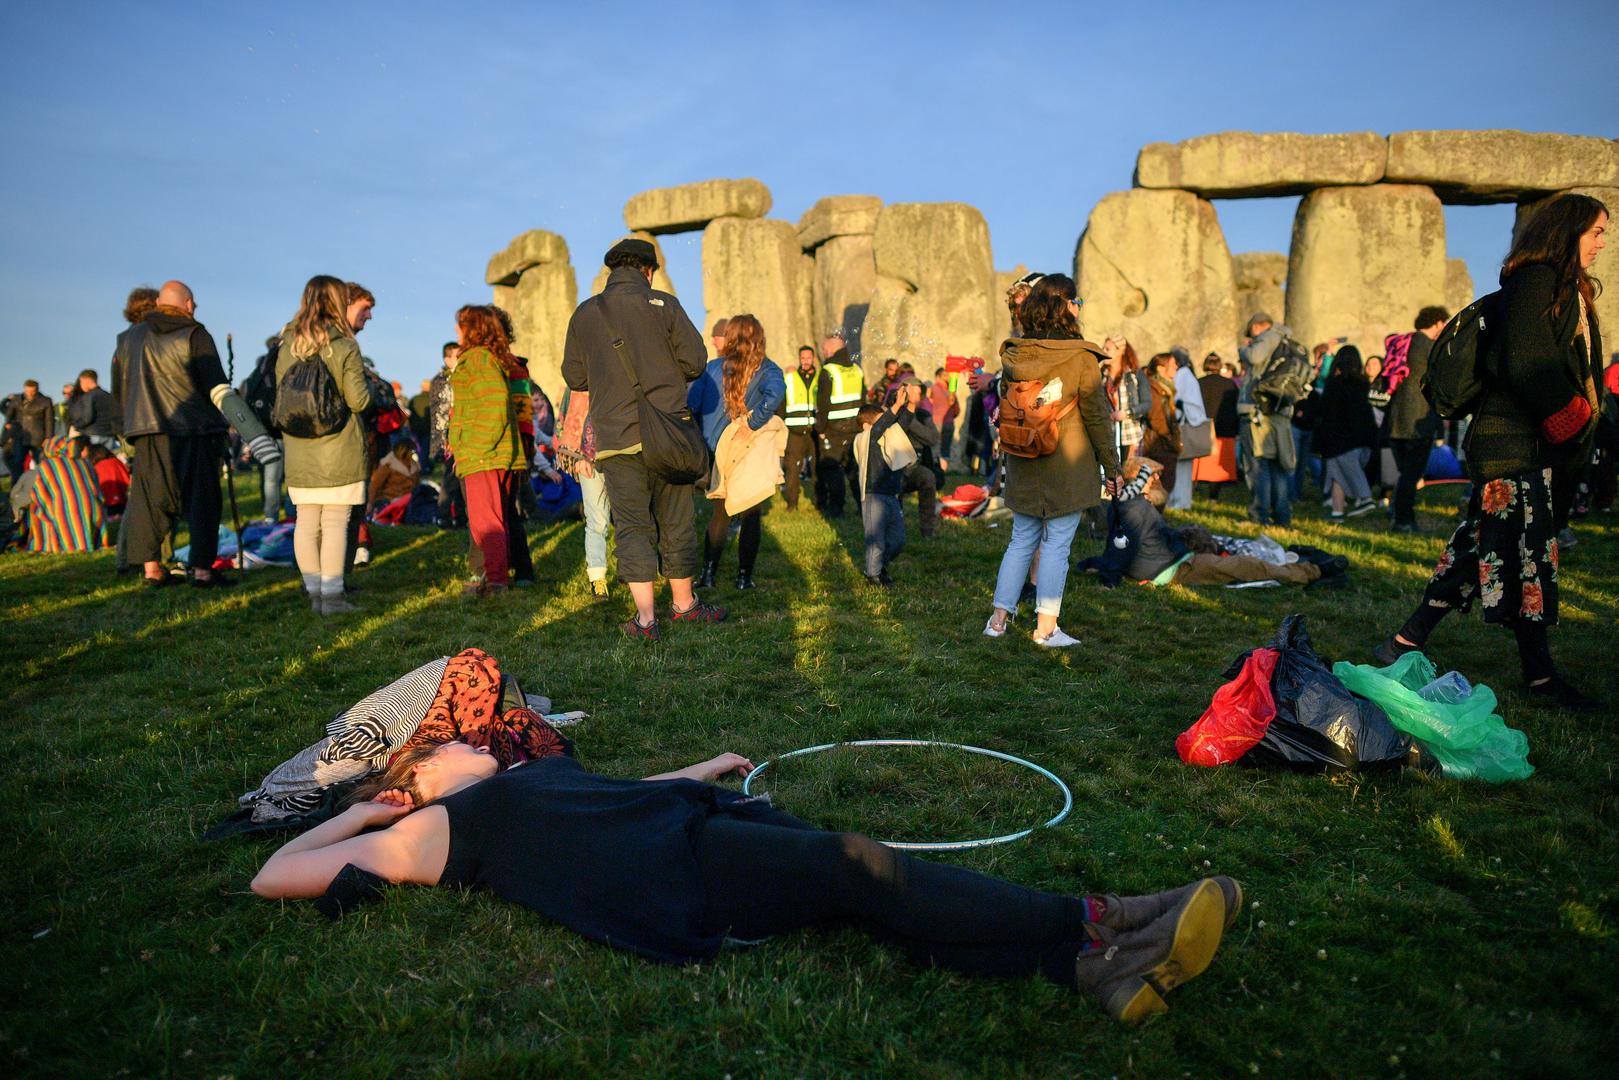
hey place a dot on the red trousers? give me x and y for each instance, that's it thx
(488, 495)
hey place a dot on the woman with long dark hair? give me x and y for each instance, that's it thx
(1345, 434)
(484, 439)
(1538, 416)
(670, 866)
(1046, 494)
(1161, 435)
(741, 388)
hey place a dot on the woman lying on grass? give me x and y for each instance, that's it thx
(669, 867)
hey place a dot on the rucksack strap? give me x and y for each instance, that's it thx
(618, 345)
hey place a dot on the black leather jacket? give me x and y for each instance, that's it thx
(162, 373)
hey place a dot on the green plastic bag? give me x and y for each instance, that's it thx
(1468, 738)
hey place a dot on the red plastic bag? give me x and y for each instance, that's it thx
(1236, 719)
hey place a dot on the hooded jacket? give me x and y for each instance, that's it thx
(1066, 480)
(659, 343)
(162, 374)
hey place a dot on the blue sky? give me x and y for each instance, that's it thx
(243, 148)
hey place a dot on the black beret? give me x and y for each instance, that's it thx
(632, 246)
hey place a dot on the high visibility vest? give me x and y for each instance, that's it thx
(801, 399)
(847, 392)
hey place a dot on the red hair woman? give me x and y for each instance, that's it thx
(484, 438)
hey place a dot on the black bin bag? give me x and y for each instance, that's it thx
(1320, 725)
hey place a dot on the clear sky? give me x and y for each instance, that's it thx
(243, 148)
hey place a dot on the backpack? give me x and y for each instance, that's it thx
(1454, 384)
(1396, 360)
(1286, 380)
(383, 415)
(1029, 429)
(258, 390)
(308, 403)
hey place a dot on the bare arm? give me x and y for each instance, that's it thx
(304, 867)
(710, 770)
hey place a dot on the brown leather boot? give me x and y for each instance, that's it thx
(1132, 970)
(1134, 912)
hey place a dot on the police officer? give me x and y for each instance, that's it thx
(838, 396)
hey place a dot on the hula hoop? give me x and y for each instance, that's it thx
(946, 845)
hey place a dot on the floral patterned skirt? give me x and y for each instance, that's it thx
(1503, 554)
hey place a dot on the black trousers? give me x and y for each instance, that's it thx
(800, 448)
(921, 478)
(174, 476)
(652, 521)
(452, 501)
(719, 531)
(775, 874)
(1411, 458)
(833, 448)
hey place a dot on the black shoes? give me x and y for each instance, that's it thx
(881, 579)
(744, 579)
(1558, 691)
(1390, 650)
(705, 580)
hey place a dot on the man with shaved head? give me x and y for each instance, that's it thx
(176, 406)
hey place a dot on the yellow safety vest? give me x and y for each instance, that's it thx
(848, 391)
(801, 399)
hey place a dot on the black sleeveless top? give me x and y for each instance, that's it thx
(609, 859)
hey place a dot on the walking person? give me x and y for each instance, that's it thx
(1047, 494)
(799, 414)
(576, 452)
(484, 442)
(628, 342)
(326, 473)
(176, 407)
(838, 395)
(1538, 412)
(740, 390)
(1345, 435)
(1412, 424)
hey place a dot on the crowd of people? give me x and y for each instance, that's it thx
(1068, 435)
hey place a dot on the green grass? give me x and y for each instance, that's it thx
(1400, 925)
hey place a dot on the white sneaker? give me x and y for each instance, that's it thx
(990, 631)
(362, 555)
(1054, 640)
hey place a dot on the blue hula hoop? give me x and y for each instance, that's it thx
(946, 845)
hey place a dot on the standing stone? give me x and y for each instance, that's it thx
(1241, 164)
(1153, 266)
(756, 266)
(1260, 278)
(935, 288)
(1458, 285)
(839, 229)
(1605, 269)
(692, 206)
(660, 276)
(1364, 261)
(535, 282)
(1500, 166)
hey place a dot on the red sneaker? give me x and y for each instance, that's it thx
(700, 612)
(633, 629)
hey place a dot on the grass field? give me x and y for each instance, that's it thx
(1400, 925)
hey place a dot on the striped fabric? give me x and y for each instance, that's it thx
(66, 515)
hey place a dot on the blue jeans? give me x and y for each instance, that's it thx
(1052, 537)
(598, 514)
(273, 474)
(1270, 504)
(885, 531)
(1309, 465)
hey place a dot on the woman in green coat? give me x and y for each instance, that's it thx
(484, 438)
(325, 475)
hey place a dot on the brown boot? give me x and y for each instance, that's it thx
(1134, 912)
(1131, 971)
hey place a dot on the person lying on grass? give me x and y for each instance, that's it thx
(671, 866)
(1141, 547)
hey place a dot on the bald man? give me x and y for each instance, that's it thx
(176, 406)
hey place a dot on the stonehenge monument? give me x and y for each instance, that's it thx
(916, 281)
(536, 284)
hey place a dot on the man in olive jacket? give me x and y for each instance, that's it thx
(1411, 423)
(632, 324)
(176, 404)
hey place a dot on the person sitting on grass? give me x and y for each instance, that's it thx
(670, 866)
(1142, 547)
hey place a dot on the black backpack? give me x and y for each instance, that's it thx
(1461, 358)
(258, 390)
(1286, 380)
(308, 403)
